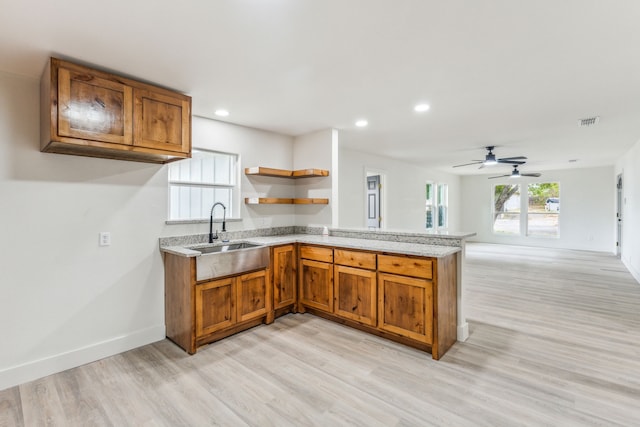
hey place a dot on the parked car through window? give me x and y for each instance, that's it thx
(552, 204)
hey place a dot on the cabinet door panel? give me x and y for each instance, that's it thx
(214, 306)
(252, 295)
(355, 294)
(93, 108)
(284, 276)
(405, 306)
(316, 284)
(161, 122)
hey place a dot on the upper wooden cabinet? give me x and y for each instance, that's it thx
(162, 122)
(93, 113)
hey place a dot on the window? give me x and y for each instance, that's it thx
(196, 184)
(538, 214)
(506, 209)
(430, 205)
(436, 206)
(543, 210)
(443, 205)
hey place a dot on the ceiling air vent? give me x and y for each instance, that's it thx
(589, 121)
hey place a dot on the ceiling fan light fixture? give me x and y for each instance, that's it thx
(490, 159)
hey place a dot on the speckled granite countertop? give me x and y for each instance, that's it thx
(342, 242)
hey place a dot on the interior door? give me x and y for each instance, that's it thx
(619, 216)
(373, 201)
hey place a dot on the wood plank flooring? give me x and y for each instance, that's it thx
(554, 340)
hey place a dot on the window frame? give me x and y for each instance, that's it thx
(445, 204)
(436, 188)
(524, 210)
(233, 210)
(430, 202)
(518, 212)
(527, 232)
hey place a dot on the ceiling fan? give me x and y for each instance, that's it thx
(515, 173)
(490, 159)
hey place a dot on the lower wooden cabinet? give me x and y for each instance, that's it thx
(316, 284)
(283, 267)
(355, 294)
(253, 295)
(406, 298)
(215, 308)
(405, 306)
(222, 303)
(198, 313)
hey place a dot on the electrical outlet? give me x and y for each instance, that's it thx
(105, 238)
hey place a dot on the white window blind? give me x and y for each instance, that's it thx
(196, 184)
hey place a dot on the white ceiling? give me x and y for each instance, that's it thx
(515, 74)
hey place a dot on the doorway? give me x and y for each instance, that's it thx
(619, 204)
(373, 216)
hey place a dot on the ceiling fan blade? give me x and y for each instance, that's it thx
(499, 176)
(531, 174)
(513, 158)
(468, 164)
(511, 162)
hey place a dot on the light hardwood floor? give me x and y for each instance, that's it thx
(554, 340)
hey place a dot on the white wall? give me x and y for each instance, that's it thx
(64, 301)
(403, 192)
(256, 148)
(629, 166)
(587, 217)
(315, 150)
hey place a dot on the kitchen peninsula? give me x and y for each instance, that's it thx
(399, 285)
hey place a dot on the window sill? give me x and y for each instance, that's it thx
(199, 221)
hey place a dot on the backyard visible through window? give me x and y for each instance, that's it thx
(539, 214)
(506, 209)
(543, 209)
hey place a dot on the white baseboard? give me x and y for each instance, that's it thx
(634, 273)
(36, 369)
(463, 331)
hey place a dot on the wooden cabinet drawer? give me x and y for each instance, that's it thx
(355, 259)
(316, 253)
(406, 266)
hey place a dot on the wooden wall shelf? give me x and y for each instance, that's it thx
(284, 173)
(284, 201)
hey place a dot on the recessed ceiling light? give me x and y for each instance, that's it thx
(222, 113)
(420, 108)
(362, 123)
